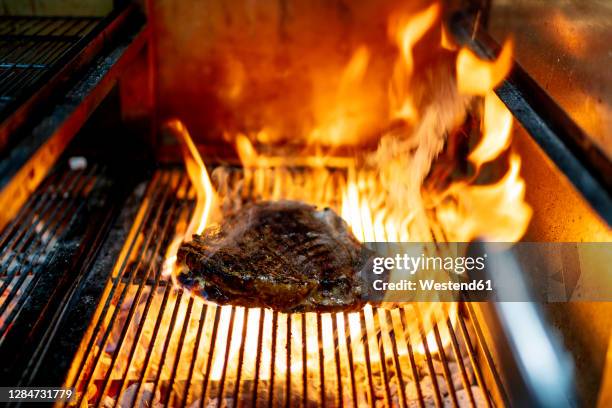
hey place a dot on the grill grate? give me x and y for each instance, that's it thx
(32, 236)
(32, 46)
(150, 343)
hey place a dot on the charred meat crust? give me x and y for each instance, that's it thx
(284, 255)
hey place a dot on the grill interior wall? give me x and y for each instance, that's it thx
(152, 342)
(235, 65)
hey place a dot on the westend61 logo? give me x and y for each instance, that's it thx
(412, 264)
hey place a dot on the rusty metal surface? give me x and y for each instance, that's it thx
(567, 47)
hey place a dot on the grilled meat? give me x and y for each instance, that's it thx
(284, 255)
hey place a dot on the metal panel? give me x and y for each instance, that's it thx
(566, 47)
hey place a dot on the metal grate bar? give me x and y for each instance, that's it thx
(138, 294)
(12, 50)
(28, 241)
(205, 383)
(29, 237)
(473, 359)
(413, 366)
(272, 359)
(257, 360)
(29, 47)
(458, 357)
(24, 69)
(396, 363)
(432, 371)
(151, 343)
(446, 371)
(28, 211)
(240, 360)
(122, 295)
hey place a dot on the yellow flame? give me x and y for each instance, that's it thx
(205, 195)
(356, 68)
(246, 152)
(497, 129)
(412, 31)
(496, 212)
(478, 77)
(446, 40)
(407, 35)
(343, 112)
(435, 314)
(198, 175)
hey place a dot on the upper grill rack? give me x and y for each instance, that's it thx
(32, 46)
(27, 243)
(150, 343)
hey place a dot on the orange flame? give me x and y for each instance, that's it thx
(478, 77)
(205, 195)
(344, 113)
(496, 129)
(407, 34)
(196, 170)
(246, 152)
(445, 39)
(496, 212)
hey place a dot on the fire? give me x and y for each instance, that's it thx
(469, 209)
(198, 175)
(496, 130)
(381, 196)
(342, 113)
(478, 77)
(205, 194)
(407, 33)
(374, 197)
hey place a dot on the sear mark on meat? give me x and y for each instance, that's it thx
(284, 255)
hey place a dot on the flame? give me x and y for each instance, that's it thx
(343, 113)
(246, 152)
(198, 175)
(497, 129)
(478, 77)
(470, 212)
(381, 196)
(445, 39)
(407, 33)
(373, 198)
(204, 191)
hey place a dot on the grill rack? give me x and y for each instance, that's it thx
(34, 234)
(32, 46)
(149, 342)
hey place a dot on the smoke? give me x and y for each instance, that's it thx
(405, 154)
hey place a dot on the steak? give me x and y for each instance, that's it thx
(284, 255)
